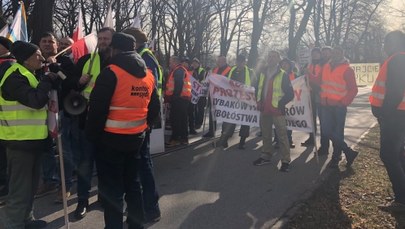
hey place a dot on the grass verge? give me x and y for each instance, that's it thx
(349, 197)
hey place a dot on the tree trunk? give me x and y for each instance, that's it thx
(41, 19)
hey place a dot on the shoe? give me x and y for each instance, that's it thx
(392, 207)
(333, 164)
(46, 189)
(81, 209)
(173, 143)
(350, 156)
(208, 135)
(285, 167)
(184, 142)
(260, 161)
(59, 196)
(259, 134)
(34, 224)
(242, 143)
(153, 217)
(308, 142)
(192, 132)
(292, 145)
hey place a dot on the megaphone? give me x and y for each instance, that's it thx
(75, 103)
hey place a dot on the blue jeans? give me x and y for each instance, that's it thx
(85, 165)
(118, 177)
(333, 127)
(392, 137)
(49, 167)
(150, 194)
(69, 130)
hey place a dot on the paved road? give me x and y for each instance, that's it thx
(203, 187)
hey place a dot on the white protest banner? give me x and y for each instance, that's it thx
(204, 87)
(298, 114)
(195, 90)
(233, 102)
(365, 73)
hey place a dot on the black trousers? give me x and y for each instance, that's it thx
(191, 113)
(3, 166)
(178, 118)
(392, 138)
(118, 178)
(200, 110)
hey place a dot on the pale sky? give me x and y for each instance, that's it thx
(393, 21)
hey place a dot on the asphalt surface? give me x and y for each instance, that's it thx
(205, 187)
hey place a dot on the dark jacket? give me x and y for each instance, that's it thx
(150, 62)
(17, 88)
(100, 99)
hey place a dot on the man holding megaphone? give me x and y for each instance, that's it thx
(89, 68)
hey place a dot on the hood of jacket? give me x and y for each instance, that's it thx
(131, 62)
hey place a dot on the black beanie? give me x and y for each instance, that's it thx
(23, 50)
(123, 42)
(6, 43)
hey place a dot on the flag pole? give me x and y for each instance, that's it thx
(61, 164)
(312, 119)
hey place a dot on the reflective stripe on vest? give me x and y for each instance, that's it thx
(223, 73)
(333, 86)
(17, 121)
(129, 103)
(159, 79)
(277, 90)
(247, 74)
(94, 72)
(186, 91)
(378, 90)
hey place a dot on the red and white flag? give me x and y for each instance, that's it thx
(84, 46)
(78, 33)
(109, 21)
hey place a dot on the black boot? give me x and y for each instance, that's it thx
(242, 142)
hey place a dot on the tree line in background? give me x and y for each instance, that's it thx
(207, 28)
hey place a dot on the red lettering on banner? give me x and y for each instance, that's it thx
(196, 86)
(298, 94)
(216, 90)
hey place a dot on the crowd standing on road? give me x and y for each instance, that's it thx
(122, 84)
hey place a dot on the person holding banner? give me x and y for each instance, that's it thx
(89, 67)
(274, 92)
(388, 106)
(241, 73)
(338, 89)
(199, 74)
(178, 94)
(313, 71)
(24, 132)
(222, 69)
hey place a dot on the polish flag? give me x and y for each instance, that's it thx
(84, 46)
(109, 21)
(78, 33)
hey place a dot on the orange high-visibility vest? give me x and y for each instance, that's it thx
(378, 91)
(315, 69)
(186, 91)
(129, 103)
(333, 86)
(223, 73)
